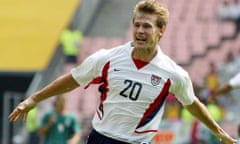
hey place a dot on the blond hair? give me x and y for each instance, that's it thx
(153, 7)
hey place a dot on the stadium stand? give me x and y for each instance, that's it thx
(212, 35)
(193, 40)
(30, 56)
(194, 29)
(194, 37)
(28, 36)
(190, 37)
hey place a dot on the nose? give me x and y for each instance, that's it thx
(140, 29)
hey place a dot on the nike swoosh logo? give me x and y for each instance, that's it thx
(116, 69)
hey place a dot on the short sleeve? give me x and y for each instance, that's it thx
(235, 81)
(183, 89)
(90, 68)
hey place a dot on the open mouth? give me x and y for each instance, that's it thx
(141, 40)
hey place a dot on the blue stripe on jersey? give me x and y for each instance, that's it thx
(151, 112)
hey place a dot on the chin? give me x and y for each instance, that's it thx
(138, 45)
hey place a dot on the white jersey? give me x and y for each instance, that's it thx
(235, 81)
(132, 99)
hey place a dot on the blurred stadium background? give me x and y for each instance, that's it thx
(201, 37)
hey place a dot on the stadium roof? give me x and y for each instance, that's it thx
(29, 32)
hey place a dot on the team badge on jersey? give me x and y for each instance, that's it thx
(155, 80)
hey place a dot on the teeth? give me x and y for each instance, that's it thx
(141, 39)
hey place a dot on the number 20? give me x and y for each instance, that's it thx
(131, 88)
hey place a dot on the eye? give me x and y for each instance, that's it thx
(136, 24)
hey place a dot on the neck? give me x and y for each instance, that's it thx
(144, 54)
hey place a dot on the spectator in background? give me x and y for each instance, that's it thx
(223, 11)
(172, 109)
(211, 79)
(230, 11)
(227, 68)
(134, 80)
(211, 84)
(71, 39)
(233, 83)
(57, 127)
(32, 125)
(200, 134)
(235, 13)
(237, 60)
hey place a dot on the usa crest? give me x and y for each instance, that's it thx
(155, 80)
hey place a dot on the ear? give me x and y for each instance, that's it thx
(161, 31)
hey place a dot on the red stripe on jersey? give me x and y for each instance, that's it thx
(139, 64)
(155, 106)
(99, 115)
(146, 131)
(103, 88)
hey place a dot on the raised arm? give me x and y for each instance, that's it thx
(198, 110)
(221, 90)
(59, 86)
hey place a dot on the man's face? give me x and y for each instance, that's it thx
(145, 31)
(59, 105)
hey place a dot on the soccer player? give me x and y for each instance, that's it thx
(59, 127)
(233, 83)
(134, 80)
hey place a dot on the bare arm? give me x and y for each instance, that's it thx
(61, 85)
(222, 90)
(198, 110)
(75, 139)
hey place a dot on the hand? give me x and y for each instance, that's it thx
(22, 109)
(226, 139)
(52, 119)
(211, 99)
(75, 139)
(72, 141)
